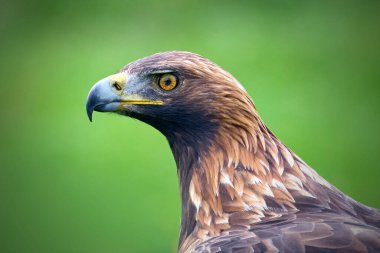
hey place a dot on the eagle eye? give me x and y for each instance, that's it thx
(168, 82)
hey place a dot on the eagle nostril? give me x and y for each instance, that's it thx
(116, 86)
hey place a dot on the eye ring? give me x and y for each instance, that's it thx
(168, 82)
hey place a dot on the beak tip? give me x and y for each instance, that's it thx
(89, 113)
(89, 110)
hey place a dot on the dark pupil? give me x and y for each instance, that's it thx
(168, 82)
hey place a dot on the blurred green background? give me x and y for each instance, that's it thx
(68, 185)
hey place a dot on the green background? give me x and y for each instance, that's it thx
(68, 185)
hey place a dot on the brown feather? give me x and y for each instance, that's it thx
(242, 190)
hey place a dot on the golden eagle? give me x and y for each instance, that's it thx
(242, 190)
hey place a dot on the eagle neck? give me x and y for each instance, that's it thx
(187, 157)
(244, 173)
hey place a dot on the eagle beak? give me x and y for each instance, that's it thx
(103, 97)
(111, 95)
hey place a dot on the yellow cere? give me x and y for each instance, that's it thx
(117, 81)
(119, 78)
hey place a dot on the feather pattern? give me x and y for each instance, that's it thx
(242, 190)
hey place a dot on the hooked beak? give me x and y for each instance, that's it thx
(110, 95)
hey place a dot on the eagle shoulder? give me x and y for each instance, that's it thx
(298, 233)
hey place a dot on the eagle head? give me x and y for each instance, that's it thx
(179, 93)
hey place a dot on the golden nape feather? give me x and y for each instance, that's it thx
(242, 190)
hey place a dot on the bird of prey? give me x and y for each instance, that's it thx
(241, 189)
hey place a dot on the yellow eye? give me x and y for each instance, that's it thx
(168, 81)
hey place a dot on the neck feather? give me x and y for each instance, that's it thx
(242, 176)
(235, 172)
